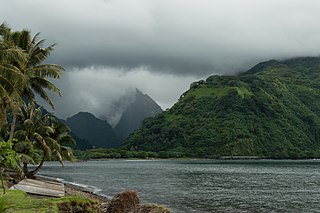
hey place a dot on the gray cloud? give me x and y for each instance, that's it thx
(97, 89)
(110, 47)
(174, 36)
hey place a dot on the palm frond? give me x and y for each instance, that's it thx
(47, 70)
(67, 153)
(59, 157)
(43, 94)
(26, 158)
(24, 39)
(11, 53)
(67, 140)
(44, 83)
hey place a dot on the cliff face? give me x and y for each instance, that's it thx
(272, 110)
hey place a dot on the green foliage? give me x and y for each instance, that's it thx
(8, 159)
(112, 153)
(23, 75)
(42, 137)
(273, 110)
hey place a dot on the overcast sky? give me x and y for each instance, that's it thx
(109, 47)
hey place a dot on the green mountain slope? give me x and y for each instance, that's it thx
(92, 131)
(272, 110)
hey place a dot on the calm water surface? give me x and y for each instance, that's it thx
(204, 185)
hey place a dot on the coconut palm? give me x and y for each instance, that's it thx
(41, 138)
(10, 75)
(33, 74)
(59, 142)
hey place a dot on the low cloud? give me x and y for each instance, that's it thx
(97, 90)
(110, 47)
(178, 37)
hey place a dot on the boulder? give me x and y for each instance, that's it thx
(123, 202)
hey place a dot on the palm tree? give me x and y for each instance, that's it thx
(30, 68)
(23, 75)
(10, 76)
(59, 142)
(41, 137)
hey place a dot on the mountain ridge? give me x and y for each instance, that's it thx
(90, 131)
(272, 110)
(97, 132)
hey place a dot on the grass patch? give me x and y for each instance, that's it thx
(77, 204)
(3, 204)
(242, 91)
(208, 91)
(18, 201)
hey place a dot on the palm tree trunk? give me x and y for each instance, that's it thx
(36, 170)
(13, 124)
(3, 116)
(25, 168)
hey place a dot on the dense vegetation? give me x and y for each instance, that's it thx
(27, 134)
(272, 110)
(119, 153)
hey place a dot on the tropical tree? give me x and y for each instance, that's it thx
(10, 76)
(58, 141)
(23, 75)
(33, 73)
(41, 137)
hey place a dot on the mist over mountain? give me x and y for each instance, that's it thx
(128, 113)
(272, 110)
(141, 107)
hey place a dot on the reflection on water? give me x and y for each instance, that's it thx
(205, 185)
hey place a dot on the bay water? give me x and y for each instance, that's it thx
(203, 185)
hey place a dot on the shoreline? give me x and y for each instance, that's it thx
(74, 189)
(225, 158)
(123, 201)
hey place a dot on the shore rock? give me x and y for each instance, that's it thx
(124, 202)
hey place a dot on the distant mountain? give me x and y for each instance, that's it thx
(141, 107)
(272, 110)
(97, 132)
(82, 144)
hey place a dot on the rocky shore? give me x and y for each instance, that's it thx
(124, 202)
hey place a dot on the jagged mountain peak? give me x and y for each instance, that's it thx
(142, 106)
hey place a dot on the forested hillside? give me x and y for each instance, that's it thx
(272, 110)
